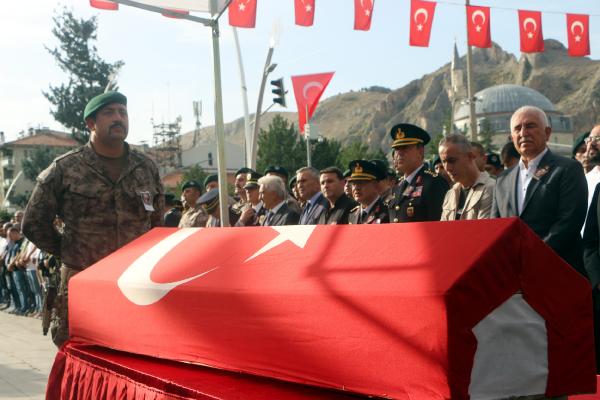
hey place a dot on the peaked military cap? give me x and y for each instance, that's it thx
(382, 166)
(407, 134)
(102, 100)
(363, 170)
(210, 200)
(243, 170)
(192, 184)
(494, 159)
(276, 169)
(578, 142)
(211, 178)
(252, 180)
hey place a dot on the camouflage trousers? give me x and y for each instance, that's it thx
(59, 328)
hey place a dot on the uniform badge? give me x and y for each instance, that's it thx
(541, 172)
(417, 192)
(410, 211)
(146, 200)
(419, 180)
(261, 219)
(408, 191)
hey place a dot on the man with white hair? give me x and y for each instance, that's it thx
(548, 192)
(273, 194)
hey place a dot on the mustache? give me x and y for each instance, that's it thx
(117, 124)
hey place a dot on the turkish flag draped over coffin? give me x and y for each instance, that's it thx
(402, 310)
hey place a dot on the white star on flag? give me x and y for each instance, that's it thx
(478, 28)
(297, 234)
(419, 27)
(530, 35)
(367, 13)
(577, 38)
(242, 7)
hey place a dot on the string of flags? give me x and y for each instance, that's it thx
(242, 13)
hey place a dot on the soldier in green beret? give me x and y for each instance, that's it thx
(106, 194)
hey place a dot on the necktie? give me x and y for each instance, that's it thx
(305, 212)
(268, 218)
(363, 216)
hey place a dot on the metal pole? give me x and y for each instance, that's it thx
(471, 100)
(258, 108)
(219, 127)
(248, 138)
(307, 137)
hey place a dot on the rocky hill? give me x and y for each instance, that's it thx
(572, 84)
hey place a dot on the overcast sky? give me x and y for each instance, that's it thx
(168, 63)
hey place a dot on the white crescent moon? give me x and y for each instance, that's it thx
(135, 282)
(480, 13)
(311, 85)
(421, 11)
(528, 21)
(579, 24)
(362, 5)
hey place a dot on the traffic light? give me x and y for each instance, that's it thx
(279, 91)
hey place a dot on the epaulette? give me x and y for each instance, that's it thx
(430, 172)
(69, 153)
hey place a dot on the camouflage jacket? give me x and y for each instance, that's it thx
(99, 215)
(193, 217)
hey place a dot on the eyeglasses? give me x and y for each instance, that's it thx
(591, 139)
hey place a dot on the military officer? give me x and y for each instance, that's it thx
(209, 201)
(239, 191)
(371, 208)
(420, 192)
(106, 193)
(254, 213)
(194, 215)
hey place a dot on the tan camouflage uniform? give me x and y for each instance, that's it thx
(99, 215)
(193, 217)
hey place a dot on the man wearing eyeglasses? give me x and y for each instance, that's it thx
(592, 155)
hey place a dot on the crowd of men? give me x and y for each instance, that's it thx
(95, 199)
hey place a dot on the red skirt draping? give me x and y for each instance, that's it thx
(85, 372)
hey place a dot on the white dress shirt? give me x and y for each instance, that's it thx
(526, 174)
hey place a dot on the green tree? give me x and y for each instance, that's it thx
(357, 151)
(87, 74)
(325, 153)
(280, 145)
(486, 134)
(39, 160)
(194, 173)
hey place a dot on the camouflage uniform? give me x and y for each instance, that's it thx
(99, 215)
(193, 217)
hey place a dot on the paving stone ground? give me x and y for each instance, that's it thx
(26, 357)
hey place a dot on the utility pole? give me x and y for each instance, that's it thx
(266, 71)
(470, 94)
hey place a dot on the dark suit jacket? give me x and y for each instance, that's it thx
(421, 200)
(338, 214)
(555, 204)
(377, 215)
(591, 241)
(317, 209)
(284, 216)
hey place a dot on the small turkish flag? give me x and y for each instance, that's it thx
(305, 12)
(578, 32)
(363, 11)
(308, 90)
(104, 4)
(478, 26)
(530, 26)
(242, 13)
(421, 19)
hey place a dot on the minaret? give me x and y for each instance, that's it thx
(457, 76)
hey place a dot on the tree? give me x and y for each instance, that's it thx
(486, 134)
(194, 173)
(39, 160)
(325, 153)
(280, 145)
(88, 75)
(357, 151)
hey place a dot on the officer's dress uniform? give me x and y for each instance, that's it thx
(377, 213)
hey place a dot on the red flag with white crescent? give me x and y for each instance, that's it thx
(308, 90)
(242, 13)
(530, 26)
(421, 20)
(578, 32)
(305, 12)
(478, 26)
(363, 12)
(104, 4)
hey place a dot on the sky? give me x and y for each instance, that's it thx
(168, 62)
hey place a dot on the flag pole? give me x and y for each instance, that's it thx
(307, 137)
(470, 84)
(247, 134)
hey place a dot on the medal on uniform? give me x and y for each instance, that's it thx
(410, 211)
(417, 192)
(408, 191)
(146, 200)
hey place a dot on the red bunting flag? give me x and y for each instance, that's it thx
(305, 12)
(174, 13)
(308, 90)
(242, 13)
(530, 26)
(421, 19)
(478, 26)
(578, 32)
(363, 12)
(104, 4)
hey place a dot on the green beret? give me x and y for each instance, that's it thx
(102, 100)
(579, 142)
(211, 178)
